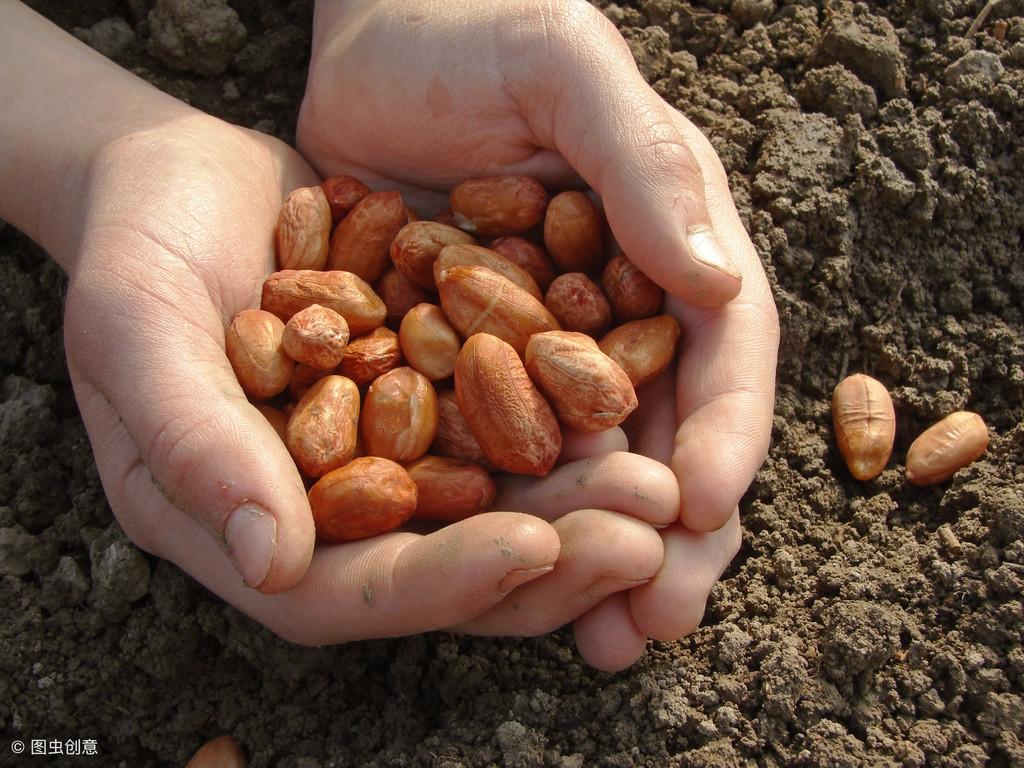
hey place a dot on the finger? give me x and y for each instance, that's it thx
(371, 588)
(672, 604)
(724, 400)
(601, 553)
(726, 373)
(622, 482)
(631, 147)
(582, 445)
(374, 588)
(163, 374)
(651, 428)
(607, 637)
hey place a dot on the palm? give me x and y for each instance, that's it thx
(202, 203)
(177, 239)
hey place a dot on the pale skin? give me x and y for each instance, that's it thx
(162, 218)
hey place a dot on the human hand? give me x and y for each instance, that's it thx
(404, 93)
(163, 218)
(153, 284)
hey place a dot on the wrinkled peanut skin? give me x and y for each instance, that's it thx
(291, 290)
(253, 346)
(945, 447)
(478, 300)
(321, 432)
(631, 293)
(587, 389)
(303, 230)
(371, 356)
(528, 256)
(450, 489)
(416, 248)
(574, 233)
(578, 304)
(510, 419)
(454, 438)
(478, 256)
(498, 205)
(316, 336)
(429, 343)
(399, 418)
(362, 241)
(642, 348)
(343, 193)
(368, 496)
(864, 422)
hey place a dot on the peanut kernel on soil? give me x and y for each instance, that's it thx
(945, 447)
(222, 752)
(865, 424)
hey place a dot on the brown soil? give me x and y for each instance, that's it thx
(877, 157)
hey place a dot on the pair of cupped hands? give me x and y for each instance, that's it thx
(626, 537)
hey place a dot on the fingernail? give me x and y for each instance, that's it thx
(609, 585)
(251, 536)
(520, 576)
(706, 249)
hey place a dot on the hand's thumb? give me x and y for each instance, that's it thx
(166, 398)
(633, 149)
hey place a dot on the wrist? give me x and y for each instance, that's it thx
(63, 104)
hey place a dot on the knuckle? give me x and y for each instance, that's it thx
(178, 451)
(140, 525)
(664, 156)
